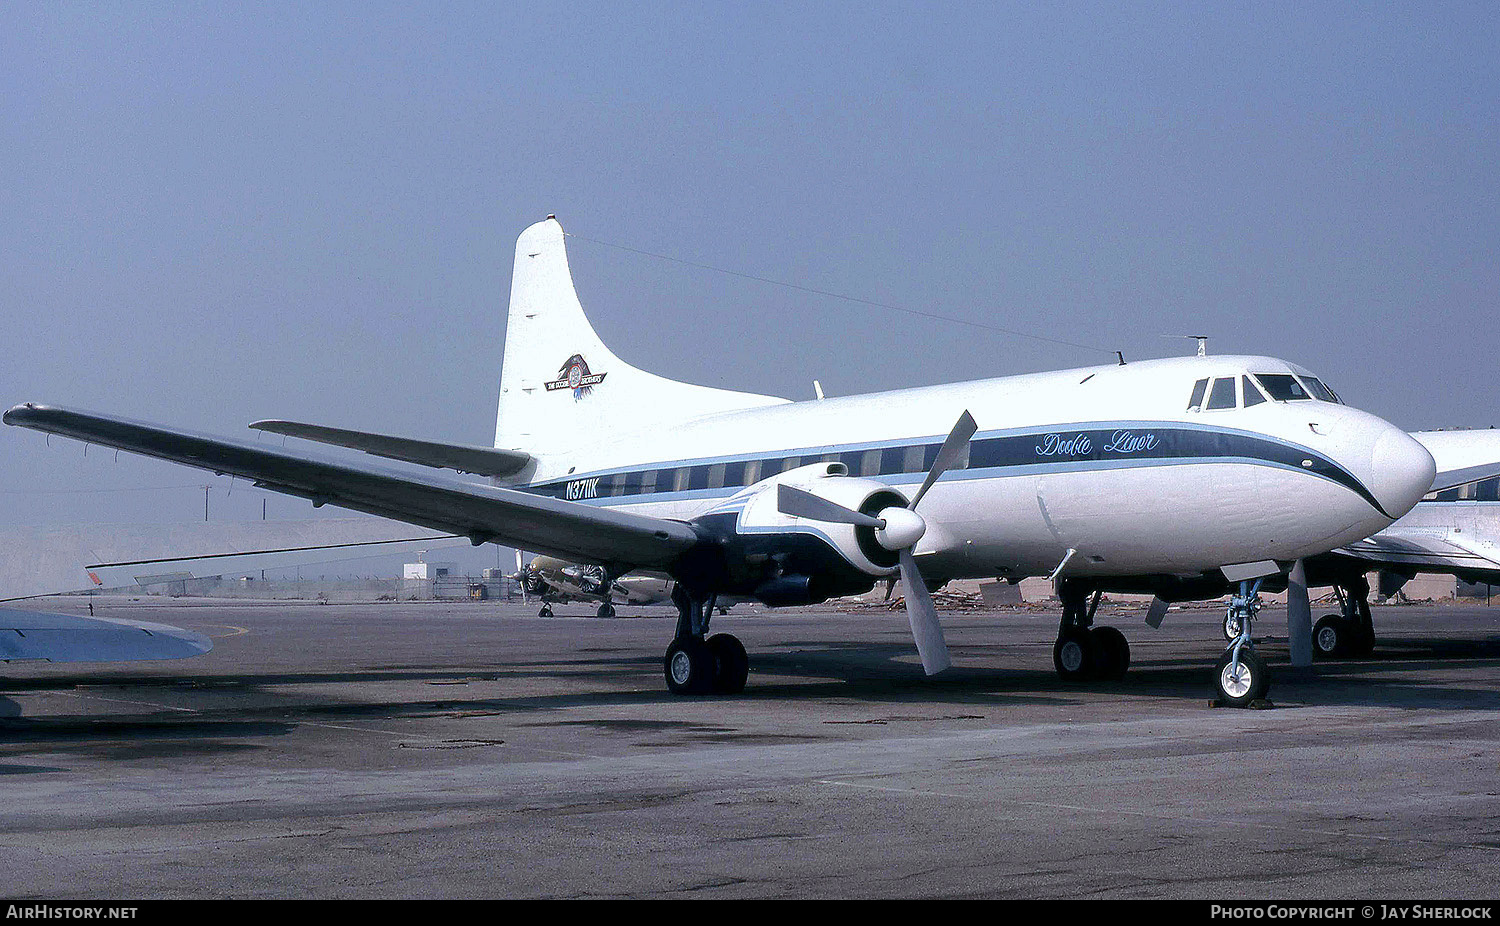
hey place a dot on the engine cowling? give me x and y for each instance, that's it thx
(787, 560)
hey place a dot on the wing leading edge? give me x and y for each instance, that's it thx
(482, 513)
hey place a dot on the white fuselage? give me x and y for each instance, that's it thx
(1107, 461)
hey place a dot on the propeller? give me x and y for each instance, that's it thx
(897, 529)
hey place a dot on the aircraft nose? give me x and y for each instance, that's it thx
(1401, 471)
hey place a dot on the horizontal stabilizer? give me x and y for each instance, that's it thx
(68, 638)
(481, 461)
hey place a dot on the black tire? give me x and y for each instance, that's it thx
(1073, 655)
(1331, 637)
(1231, 628)
(605, 610)
(1250, 682)
(545, 612)
(734, 664)
(1111, 653)
(1364, 640)
(690, 667)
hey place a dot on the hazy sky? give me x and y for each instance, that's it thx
(210, 216)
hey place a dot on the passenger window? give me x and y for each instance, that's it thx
(1199, 388)
(1252, 394)
(1283, 387)
(1222, 395)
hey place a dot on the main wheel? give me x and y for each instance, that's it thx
(1111, 652)
(734, 664)
(1072, 655)
(690, 667)
(1331, 637)
(545, 612)
(1241, 682)
(606, 610)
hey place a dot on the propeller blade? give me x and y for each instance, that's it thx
(948, 454)
(922, 613)
(799, 504)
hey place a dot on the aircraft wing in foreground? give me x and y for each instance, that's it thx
(43, 637)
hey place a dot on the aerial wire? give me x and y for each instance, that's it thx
(920, 313)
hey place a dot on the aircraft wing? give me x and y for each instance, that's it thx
(67, 638)
(480, 512)
(1421, 552)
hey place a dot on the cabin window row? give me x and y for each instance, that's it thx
(879, 462)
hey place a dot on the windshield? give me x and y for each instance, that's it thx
(1319, 391)
(1283, 387)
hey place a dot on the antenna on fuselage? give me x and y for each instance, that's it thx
(1202, 340)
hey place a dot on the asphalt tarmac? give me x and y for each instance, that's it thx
(475, 750)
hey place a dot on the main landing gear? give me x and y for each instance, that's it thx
(1351, 632)
(1241, 676)
(696, 663)
(605, 610)
(1084, 651)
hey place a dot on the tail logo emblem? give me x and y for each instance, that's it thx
(575, 375)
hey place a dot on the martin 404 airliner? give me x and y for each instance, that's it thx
(1184, 477)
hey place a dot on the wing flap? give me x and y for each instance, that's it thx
(482, 513)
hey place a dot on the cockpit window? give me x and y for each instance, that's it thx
(1252, 394)
(1222, 394)
(1283, 387)
(1319, 391)
(1199, 388)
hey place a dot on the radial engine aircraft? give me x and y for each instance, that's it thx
(1184, 477)
(553, 581)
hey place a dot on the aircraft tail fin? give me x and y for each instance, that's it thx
(561, 388)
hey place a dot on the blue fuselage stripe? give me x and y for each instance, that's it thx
(1092, 446)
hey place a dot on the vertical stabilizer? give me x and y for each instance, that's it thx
(560, 387)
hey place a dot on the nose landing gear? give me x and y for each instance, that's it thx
(1240, 676)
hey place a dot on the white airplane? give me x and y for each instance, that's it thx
(1184, 477)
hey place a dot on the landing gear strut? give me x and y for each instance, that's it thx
(696, 663)
(1082, 650)
(1241, 675)
(1351, 632)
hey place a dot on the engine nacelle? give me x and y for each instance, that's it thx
(785, 560)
